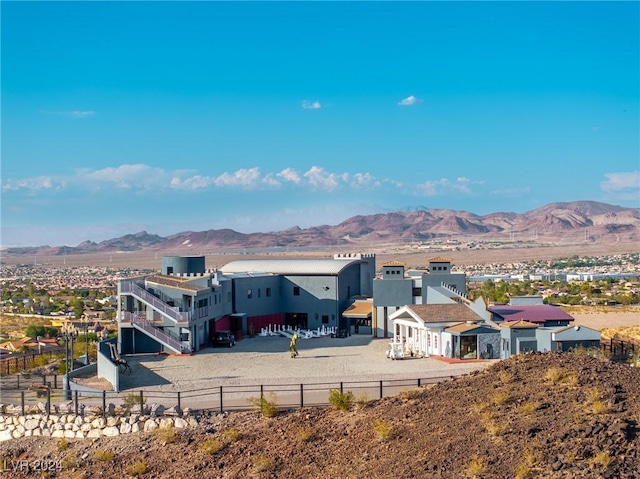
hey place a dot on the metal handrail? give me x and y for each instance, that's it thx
(157, 304)
(147, 327)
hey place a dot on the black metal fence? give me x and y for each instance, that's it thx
(47, 395)
(618, 349)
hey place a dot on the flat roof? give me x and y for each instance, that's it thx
(320, 267)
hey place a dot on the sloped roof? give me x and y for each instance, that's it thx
(394, 263)
(307, 267)
(359, 309)
(444, 313)
(519, 324)
(439, 259)
(465, 327)
(538, 313)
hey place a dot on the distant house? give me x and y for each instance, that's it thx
(541, 314)
(567, 338)
(517, 337)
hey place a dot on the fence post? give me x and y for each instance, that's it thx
(75, 402)
(141, 402)
(49, 399)
(179, 405)
(55, 381)
(104, 403)
(18, 379)
(221, 409)
(301, 395)
(44, 379)
(380, 389)
(341, 388)
(261, 397)
(418, 382)
(22, 411)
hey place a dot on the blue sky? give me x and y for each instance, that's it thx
(119, 117)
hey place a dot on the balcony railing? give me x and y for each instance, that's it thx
(157, 304)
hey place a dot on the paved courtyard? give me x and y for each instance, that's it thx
(266, 360)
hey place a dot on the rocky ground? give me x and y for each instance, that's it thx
(552, 415)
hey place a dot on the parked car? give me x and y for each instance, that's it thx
(224, 338)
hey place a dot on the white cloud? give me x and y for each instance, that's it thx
(626, 181)
(311, 105)
(319, 179)
(409, 101)
(245, 178)
(290, 175)
(195, 182)
(79, 114)
(33, 184)
(445, 186)
(364, 181)
(128, 176)
(141, 177)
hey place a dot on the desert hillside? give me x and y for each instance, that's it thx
(552, 415)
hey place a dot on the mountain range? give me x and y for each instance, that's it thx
(577, 220)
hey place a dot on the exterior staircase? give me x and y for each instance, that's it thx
(164, 338)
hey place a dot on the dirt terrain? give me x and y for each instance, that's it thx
(551, 415)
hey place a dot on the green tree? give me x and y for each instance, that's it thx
(78, 306)
(35, 330)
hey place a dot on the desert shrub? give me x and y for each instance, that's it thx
(599, 407)
(263, 464)
(593, 394)
(103, 455)
(528, 407)
(584, 351)
(500, 397)
(305, 435)
(505, 376)
(383, 429)
(523, 471)
(166, 435)
(490, 424)
(341, 400)
(570, 379)
(476, 467)
(231, 435)
(267, 407)
(603, 459)
(362, 401)
(211, 446)
(532, 457)
(569, 457)
(69, 462)
(553, 374)
(136, 469)
(62, 445)
(131, 400)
